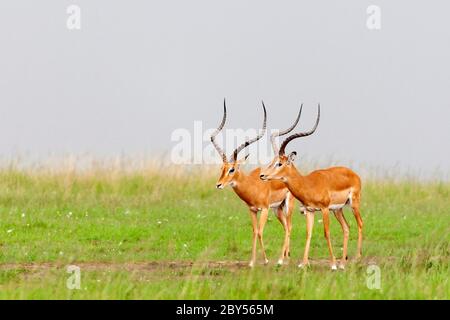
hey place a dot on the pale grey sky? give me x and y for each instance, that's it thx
(137, 70)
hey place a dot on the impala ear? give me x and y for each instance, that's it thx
(292, 156)
(241, 161)
(244, 160)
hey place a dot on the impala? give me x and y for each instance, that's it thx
(323, 190)
(257, 194)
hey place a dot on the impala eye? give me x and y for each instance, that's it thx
(231, 170)
(279, 164)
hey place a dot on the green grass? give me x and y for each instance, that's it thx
(113, 217)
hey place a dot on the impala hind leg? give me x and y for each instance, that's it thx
(309, 228)
(356, 201)
(357, 214)
(326, 227)
(262, 223)
(339, 214)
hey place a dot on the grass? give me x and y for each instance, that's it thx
(107, 218)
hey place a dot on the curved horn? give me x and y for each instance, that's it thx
(215, 133)
(282, 133)
(299, 135)
(249, 142)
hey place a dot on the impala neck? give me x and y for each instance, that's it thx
(241, 183)
(294, 179)
(240, 180)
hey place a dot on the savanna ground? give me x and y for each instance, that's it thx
(166, 233)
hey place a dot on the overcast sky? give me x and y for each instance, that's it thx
(137, 70)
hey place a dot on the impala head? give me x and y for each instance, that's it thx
(231, 167)
(279, 168)
(229, 173)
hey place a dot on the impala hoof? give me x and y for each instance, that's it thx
(333, 267)
(280, 262)
(302, 266)
(342, 266)
(251, 264)
(266, 262)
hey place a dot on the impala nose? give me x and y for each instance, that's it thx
(262, 176)
(219, 186)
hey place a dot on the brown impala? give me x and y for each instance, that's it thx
(321, 190)
(257, 194)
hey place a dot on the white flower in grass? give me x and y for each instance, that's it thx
(320, 221)
(9, 230)
(61, 253)
(23, 215)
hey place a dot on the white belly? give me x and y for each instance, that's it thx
(304, 208)
(334, 206)
(276, 204)
(348, 202)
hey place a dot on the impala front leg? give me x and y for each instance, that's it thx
(289, 222)
(309, 228)
(253, 216)
(262, 223)
(290, 211)
(283, 220)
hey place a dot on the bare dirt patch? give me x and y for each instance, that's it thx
(167, 265)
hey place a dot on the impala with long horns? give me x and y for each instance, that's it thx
(322, 190)
(257, 194)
